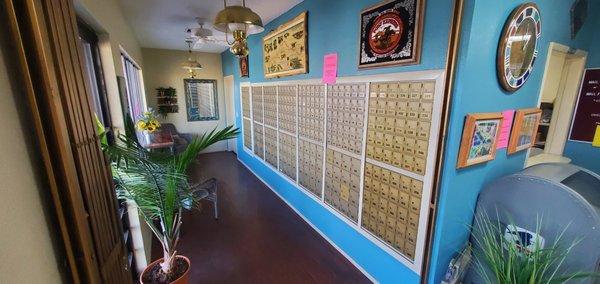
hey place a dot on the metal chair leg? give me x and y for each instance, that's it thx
(215, 204)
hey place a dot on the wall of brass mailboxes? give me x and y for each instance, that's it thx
(364, 147)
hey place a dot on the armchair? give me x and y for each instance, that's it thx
(181, 139)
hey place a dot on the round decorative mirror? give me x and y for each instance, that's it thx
(517, 49)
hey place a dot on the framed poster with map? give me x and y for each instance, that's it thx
(479, 138)
(284, 49)
(390, 34)
(524, 130)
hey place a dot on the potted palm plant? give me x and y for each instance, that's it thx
(158, 185)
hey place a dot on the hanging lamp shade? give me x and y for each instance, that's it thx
(191, 64)
(234, 18)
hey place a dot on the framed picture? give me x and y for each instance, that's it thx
(390, 34)
(479, 138)
(578, 16)
(201, 99)
(524, 130)
(284, 49)
(244, 69)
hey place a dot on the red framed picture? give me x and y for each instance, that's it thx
(244, 69)
(390, 34)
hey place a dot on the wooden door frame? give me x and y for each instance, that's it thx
(454, 41)
(33, 29)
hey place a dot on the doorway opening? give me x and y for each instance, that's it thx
(557, 98)
(230, 110)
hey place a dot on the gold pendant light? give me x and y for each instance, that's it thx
(240, 21)
(191, 64)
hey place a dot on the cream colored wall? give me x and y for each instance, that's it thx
(553, 75)
(107, 17)
(162, 68)
(115, 36)
(27, 254)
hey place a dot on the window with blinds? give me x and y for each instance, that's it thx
(135, 89)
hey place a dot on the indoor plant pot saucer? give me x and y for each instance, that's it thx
(183, 279)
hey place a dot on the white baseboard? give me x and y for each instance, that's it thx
(360, 268)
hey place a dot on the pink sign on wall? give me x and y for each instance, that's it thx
(506, 127)
(330, 68)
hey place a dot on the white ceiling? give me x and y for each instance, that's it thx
(163, 23)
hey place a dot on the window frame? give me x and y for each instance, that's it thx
(126, 60)
(87, 34)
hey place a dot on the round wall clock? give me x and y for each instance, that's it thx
(517, 49)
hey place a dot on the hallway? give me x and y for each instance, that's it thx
(258, 238)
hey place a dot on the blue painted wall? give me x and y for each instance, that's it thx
(584, 154)
(477, 90)
(333, 26)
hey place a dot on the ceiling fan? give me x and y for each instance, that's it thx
(202, 35)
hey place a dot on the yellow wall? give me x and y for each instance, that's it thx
(27, 253)
(162, 68)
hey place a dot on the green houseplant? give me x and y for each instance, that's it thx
(158, 185)
(503, 259)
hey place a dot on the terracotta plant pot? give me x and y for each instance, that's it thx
(183, 279)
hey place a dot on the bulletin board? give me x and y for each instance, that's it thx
(587, 110)
(364, 148)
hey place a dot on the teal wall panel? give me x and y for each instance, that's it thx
(333, 26)
(477, 90)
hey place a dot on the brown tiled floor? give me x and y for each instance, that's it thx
(258, 238)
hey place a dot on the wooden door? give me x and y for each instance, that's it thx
(51, 61)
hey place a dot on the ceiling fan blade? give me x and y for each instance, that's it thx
(202, 41)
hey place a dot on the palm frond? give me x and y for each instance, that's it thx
(158, 183)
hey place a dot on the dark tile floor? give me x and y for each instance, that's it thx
(258, 238)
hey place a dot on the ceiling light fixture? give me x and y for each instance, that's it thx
(191, 64)
(240, 21)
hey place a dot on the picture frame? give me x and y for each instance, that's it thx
(524, 129)
(244, 68)
(201, 99)
(578, 13)
(479, 138)
(391, 34)
(285, 49)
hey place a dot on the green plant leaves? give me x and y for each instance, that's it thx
(158, 183)
(500, 260)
